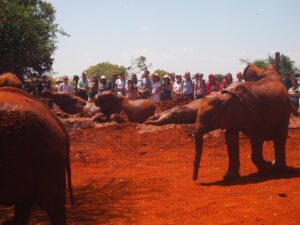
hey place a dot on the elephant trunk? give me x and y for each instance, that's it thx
(198, 154)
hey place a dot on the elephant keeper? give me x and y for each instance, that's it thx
(294, 93)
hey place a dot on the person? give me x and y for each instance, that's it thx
(75, 84)
(144, 86)
(112, 83)
(28, 86)
(57, 83)
(212, 85)
(294, 93)
(177, 87)
(187, 86)
(172, 77)
(239, 77)
(227, 81)
(156, 88)
(44, 84)
(199, 86)
(134, 79)
(166, 88)
(94, 87)
(131, 90)
(65, 87)
(287, 81)
(83, 86)
(103, 84)
(120, 88)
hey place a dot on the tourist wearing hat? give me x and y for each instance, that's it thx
(166, 88)
(156, 88)
(65, 87)
(177, 87)
(102, 84)
(199, 86)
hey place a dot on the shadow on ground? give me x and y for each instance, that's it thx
(256, 178)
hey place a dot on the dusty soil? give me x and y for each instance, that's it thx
(137, 174)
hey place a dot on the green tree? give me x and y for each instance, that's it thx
(105, 68)
(138, 65)
(219, 77)
(286, 64)
(161, 72)
(28, 36)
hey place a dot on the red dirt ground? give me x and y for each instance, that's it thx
(137, 174)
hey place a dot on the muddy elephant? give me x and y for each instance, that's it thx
(261, 110)
(138, 111)
(72, 104)
(34, 157)
(10, 80)
(184, 114)
(253, 73)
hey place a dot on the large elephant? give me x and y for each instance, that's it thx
(183, 114)
(137, 110)
(72, 104)
(34, 157)
(261, 110)
(10, 80)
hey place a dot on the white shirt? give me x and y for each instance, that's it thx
(65, 88)
(155, 87)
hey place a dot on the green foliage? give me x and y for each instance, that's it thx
(161, 72)
(28, 35)
(219, 77)
(138, 65)
(286, 64)
(105, 68)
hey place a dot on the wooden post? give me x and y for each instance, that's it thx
(277, 62)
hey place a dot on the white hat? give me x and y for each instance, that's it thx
(103, 77)
(166, 76)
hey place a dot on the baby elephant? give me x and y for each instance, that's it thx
(34, 157)
(138, 111)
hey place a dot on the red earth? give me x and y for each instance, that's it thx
(137, 174)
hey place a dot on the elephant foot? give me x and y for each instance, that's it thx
(231, 175)
(265, 169)
(280, 168)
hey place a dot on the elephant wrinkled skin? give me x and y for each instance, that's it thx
(34, 157)
(261, 110)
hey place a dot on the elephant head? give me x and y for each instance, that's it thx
(109, 102)
(11, 80)
(254, 73)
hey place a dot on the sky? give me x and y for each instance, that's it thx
(208, 36)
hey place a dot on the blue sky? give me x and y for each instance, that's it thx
(208, 36)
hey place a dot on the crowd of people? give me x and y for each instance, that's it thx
(170, 86)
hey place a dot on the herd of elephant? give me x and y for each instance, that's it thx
(35, 149)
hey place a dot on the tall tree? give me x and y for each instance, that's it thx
(286, 64)
(28, 36)
(105, 68)
(138, 65)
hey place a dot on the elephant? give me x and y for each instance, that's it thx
(261, 110)
(34, 158)
(72, 104)
(10, 80)
(138, 111)
(184, 114)
(253, 73)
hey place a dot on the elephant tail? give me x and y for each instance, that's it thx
(69, 172)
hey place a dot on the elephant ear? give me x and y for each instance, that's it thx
(244, 94)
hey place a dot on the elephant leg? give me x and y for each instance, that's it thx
(279, 147)
(232, 142)
(257, 156)
(58, 215)
(22, 213)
